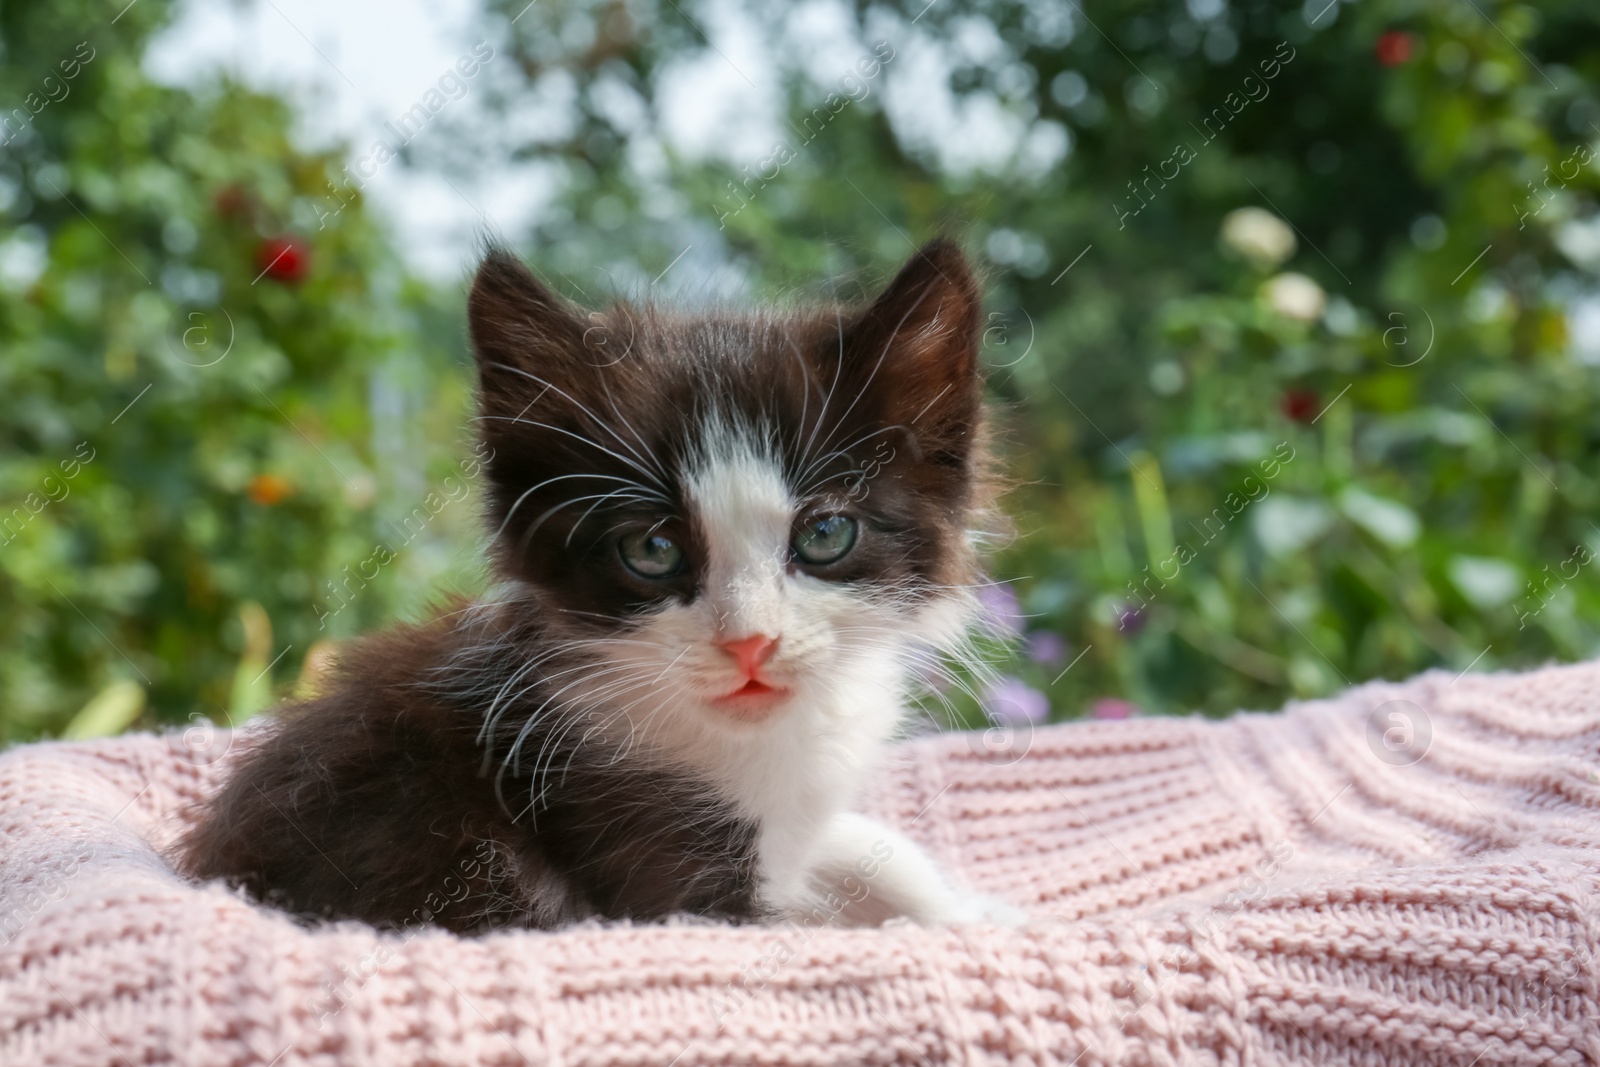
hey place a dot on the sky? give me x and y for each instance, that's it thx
(353, 65)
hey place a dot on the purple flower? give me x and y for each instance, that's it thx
(1112, 708)
(1130, 618)
(1012, 701)
(1000, 608)
(933, 676)
(1046, 648)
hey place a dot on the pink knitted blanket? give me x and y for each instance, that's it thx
(1405, 875)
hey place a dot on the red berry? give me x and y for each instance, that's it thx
(1393, 48)
(1300, 404)
(283, 259)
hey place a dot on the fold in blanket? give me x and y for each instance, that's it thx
(1404, 874)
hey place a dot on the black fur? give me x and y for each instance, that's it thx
(363, 802)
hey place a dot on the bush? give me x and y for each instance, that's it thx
(209, 404)
(1283, 302)
(1292, 326)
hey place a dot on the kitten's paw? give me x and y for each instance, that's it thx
(984, 908)
(971, 909)
(998, 912)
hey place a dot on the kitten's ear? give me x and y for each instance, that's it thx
(524, 335)
(916, 347)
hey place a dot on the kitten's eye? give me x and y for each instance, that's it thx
(651, 555)
(825, 539)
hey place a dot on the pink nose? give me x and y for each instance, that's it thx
(750, 652)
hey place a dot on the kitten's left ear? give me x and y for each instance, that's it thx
(916, 349)
(524, 336)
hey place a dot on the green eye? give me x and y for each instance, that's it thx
(651, 555)
(825, 539)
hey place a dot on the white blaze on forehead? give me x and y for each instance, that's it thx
(742, 507)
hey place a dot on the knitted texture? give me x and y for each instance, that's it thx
(1405, 874)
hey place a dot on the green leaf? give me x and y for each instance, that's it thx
(112, 711)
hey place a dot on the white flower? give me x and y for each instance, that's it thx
(1285, 524)
(1258, 235)
(1295, 296)
(23, 258)
(1389, 521)
(1583, 330)
(1486, 581)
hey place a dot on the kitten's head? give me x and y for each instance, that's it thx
(735, 516)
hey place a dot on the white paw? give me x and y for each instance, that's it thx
(971, 909)
(1002, 913)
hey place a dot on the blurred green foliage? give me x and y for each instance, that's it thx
(209, 407)
(1392, 313)
(1348, 433)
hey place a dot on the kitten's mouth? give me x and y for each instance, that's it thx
(754, 699)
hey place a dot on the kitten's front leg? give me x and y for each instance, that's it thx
(864, 873)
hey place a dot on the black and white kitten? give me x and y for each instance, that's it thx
(724, 545)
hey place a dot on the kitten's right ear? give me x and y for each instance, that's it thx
(525, 336)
